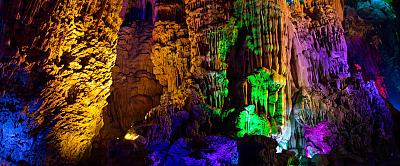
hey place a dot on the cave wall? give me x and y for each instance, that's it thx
(374, 43)
(135, 89)
(56, 65)
(202, 80)
(304, 55)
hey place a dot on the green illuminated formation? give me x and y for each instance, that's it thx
(264, 89)
(218, 112)
(266, 92)
(259, 87)
(263, 19)
(252, 124)
(230, 34)
(220, 42)
(216, 90)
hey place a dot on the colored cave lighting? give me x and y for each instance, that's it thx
(217, 87)
(388, 1)
(252, 124)
(16, 142)
(222, 114)
(263, 38)
(315, 139)
(131, 135)
(220, 42)
(266, 93)
(264, 19)
(226, 38)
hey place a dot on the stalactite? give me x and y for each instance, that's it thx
(252, 124)
(266, 97)
(262, 20)
(169, 54)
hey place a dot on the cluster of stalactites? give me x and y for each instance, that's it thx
(310, 3)
(329, 38)
(212, 13)
(300, 6)
(216, 88)
(265, 23)
(193, 5)
(266, 86)
(211, 39)
(264, 90)
(206, 21)
(215, 58)
(250, 123)
(310, 109)
(219, 41)
(264, 93)
(170, 54)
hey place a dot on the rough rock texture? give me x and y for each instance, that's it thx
(135, 89)
(65, 51)
(373, 41)
(318, 65)
(17, 143)
(303, 47)
(170, 54)
(212, 150)
(325, 90)
(196, 81)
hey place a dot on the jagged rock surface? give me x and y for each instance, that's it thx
(309, 57)
(66, 50)
(135, 89)
(189, 69)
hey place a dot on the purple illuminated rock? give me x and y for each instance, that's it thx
(212, 150)
(317, 139)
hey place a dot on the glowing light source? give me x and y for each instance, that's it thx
(131, 135)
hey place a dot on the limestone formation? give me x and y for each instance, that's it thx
(73, 44)
(198, 82)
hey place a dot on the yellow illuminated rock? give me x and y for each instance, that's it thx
(79, 38)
